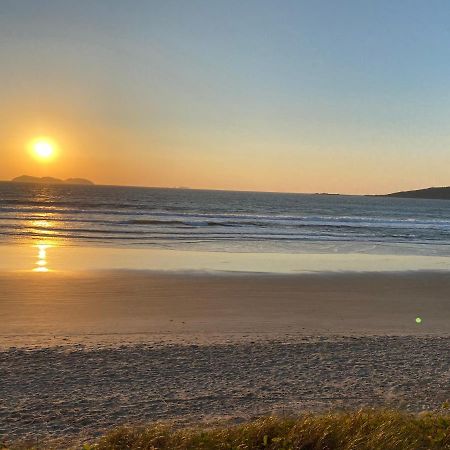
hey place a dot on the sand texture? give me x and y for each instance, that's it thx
(83, 352)
(65, 391)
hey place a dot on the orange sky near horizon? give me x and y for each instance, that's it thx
(237, 173)
(203, 161)
(105, 158)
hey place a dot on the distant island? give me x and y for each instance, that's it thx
(51, 180)
(437, 193)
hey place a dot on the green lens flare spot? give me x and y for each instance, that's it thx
(418, 320)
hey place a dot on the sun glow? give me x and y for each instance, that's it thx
(43, 149)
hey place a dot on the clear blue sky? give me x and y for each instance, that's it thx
(348, 96)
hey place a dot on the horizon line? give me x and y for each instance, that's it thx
(217, 189)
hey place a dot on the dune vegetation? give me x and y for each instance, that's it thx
(362, 430)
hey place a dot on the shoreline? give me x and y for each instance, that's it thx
(318, 258)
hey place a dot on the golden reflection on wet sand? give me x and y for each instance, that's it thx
(74, 258)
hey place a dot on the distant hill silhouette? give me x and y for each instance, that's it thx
(441, 193)
(50, 180)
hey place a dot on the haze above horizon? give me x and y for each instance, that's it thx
(258, 95)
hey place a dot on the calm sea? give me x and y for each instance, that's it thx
(234, 221)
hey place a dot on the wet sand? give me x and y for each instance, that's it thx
(40, 306)
(85, 351)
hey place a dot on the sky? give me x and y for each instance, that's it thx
(283, 95)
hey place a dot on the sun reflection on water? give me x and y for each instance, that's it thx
(41, 223)
(41, 262)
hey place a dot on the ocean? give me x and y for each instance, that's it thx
(221, 220)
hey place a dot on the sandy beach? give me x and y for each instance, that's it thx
(64, 391)
(86, 351)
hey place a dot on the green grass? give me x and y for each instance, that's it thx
(363, 430)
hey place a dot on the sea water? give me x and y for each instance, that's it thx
(221, 221)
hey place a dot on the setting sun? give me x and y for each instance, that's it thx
(43, 149)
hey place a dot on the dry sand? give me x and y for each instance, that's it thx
(81, 352)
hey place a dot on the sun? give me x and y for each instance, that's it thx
(43, 149)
